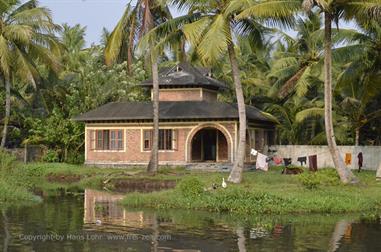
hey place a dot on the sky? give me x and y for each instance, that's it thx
(94, 14)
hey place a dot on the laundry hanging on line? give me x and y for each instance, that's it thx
(262, 162)
(302, 160)
(348, 158)
(312, 161)
(287, 161)
(278, 160)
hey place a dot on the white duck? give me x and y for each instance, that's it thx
(224, 185)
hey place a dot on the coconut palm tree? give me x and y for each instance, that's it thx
(135, 23)
(26, 40)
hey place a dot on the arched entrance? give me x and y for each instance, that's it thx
(209, 144)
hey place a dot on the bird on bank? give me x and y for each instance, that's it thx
(224, 185)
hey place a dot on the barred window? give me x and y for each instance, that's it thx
(109, 139)
(167, 139)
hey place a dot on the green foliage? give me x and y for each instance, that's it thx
(51, 156)
(191, 187)
(13, 186)
(7, 162)
(324, 177)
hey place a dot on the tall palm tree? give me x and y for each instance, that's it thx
(334, 10)
(210, 28)
(135, 23)
(26, 39)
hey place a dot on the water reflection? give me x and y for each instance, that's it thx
(100, 219)
(103, 207)
(343, 229)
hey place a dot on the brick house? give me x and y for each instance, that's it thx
(194, 127)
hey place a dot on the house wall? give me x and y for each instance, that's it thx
(133, 152)
(187, 94)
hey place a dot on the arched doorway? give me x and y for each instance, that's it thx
(209, 145)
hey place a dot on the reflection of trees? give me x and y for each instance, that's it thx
(241, 239)
(6, 231)
(340, 228)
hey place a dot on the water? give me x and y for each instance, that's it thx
(93, 221)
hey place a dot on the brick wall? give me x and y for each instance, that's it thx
(191, 94)
(133, 152)
(180, 95)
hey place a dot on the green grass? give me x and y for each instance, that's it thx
(269, 193)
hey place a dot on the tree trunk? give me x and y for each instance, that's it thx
(7, 111)
(378, 174)
(345, 174)
(236, 173)
(357, 136)
(154, 161)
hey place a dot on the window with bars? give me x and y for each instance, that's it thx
(106, 139)
(167, 139)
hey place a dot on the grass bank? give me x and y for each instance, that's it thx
(13, 190)
(260, 192)
(267, 193)
(19, 183)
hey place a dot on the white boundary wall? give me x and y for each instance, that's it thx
(371, 154)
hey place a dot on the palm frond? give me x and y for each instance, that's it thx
(309, 113)
(216, 40)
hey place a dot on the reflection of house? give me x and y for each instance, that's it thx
(194, 126)
(103, 206)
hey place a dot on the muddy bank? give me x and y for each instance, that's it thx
(63, 178)
(141, 185)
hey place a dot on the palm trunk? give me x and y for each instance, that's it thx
(7, 111)
(378, 174)
(154, 161)
(345, 174)
(236, 173)
(357, 136)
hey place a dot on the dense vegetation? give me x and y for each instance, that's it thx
(280, 74)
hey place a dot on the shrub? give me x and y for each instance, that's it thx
(191, 187)
(7, 161)
(51, 156)
(322, 177)
(75, 157)
(309, 180)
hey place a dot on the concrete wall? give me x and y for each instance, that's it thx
(371, 154)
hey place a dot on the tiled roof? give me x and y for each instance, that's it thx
(172, 110)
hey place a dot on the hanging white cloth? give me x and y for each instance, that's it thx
(262, 162)
(253, 152)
